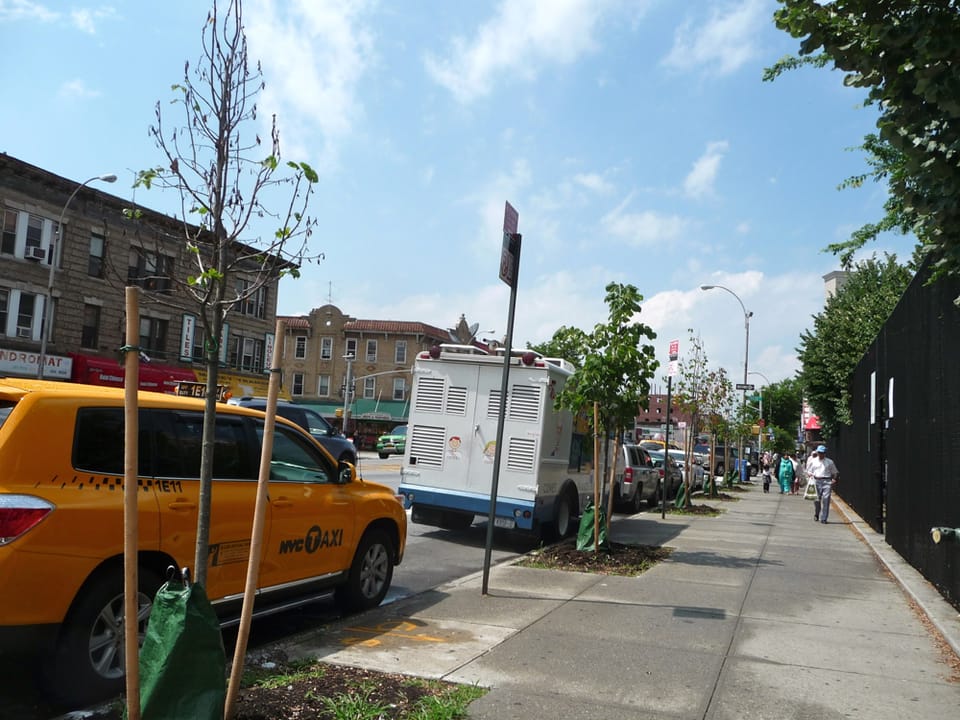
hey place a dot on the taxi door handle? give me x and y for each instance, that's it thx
(282, 502)
(182, 504)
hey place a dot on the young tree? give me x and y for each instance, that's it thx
(843, 331)
(228, 185)
(905, 55)
(616, 367)
(700, 392)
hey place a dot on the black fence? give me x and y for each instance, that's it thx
(899, 461)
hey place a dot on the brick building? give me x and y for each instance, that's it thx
(100, 251)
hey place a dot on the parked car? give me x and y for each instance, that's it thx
(313, 422)
(697, 472)
(635, 479)
(724, 457)
(62, 522)
(674, 477)
(393, 443)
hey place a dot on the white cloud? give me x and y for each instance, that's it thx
(13, 10)
(520, 39)
(314, 56)
(86, 19)
(724, 43)
(77, 89)
(700, 180)
(593, 181)
(643, 228)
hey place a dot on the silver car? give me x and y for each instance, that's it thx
(635, 479)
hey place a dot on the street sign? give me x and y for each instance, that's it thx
(510, 251)
(744, 386)
(674, 349)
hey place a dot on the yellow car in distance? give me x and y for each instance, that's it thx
(327, 531)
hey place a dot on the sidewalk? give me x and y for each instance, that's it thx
(758, 613)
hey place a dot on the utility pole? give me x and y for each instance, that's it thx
(347, 392)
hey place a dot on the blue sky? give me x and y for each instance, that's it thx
(635, 138)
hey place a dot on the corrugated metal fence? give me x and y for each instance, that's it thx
(899, 461)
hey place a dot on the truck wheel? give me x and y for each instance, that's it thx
(88, 664)
(563, 516)
(655, 498)
(370, 573)
(383, 456)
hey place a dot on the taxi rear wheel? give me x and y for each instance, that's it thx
(89, 663)
(370, 573)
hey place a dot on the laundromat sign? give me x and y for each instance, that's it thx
(19, 362)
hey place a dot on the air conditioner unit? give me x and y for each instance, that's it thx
(24, 332)
(36, 253)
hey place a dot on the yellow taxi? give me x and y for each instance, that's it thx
(62, 527)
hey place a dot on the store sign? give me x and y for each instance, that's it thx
(20, 362)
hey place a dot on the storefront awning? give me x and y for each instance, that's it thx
(394, 411)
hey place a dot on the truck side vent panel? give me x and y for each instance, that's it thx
(430, 394)
(493, 405)
(457, 401)
(522, 454)
(426, 445)
(525, 403)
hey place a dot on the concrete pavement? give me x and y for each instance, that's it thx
(758, 613)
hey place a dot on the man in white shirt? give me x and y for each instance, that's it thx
(825, 474)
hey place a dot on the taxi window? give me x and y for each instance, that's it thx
(294, 459)
(98, 442)
(179, 438)
(6, 407)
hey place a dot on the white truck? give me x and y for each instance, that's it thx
(545, 477)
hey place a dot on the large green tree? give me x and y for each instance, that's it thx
(906, 55)
(843, 331)
(567, 343)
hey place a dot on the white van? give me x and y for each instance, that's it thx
(545, 478)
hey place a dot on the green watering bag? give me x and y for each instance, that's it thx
(585, 534)
(182, 661)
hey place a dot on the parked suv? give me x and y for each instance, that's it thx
(635, 479)
(325, 433)
(62, 522)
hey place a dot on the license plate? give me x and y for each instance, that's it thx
(502, 522)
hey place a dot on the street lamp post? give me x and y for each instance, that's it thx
(57, 243)
(746, 354)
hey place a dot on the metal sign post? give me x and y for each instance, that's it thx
(509, 269)
(671, 371)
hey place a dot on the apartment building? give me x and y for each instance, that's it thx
(321, 349)
(75, 283)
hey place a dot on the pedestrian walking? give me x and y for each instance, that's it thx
(785, 473)
(797, 475)
(825, 474)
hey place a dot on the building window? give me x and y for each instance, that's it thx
(95, 260)
(300, 351)
(246, 354)
(8, 244)
(90, 332)
(25, 315)
(252, 302)
(34, 233)
(369, 388)
(326, 348)
(352, 347)
(323, 386)
(297, 388)
(399, 389)
(4, 306)
(149, 270)
(153, 335)
(400, 356)
(371, 351)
